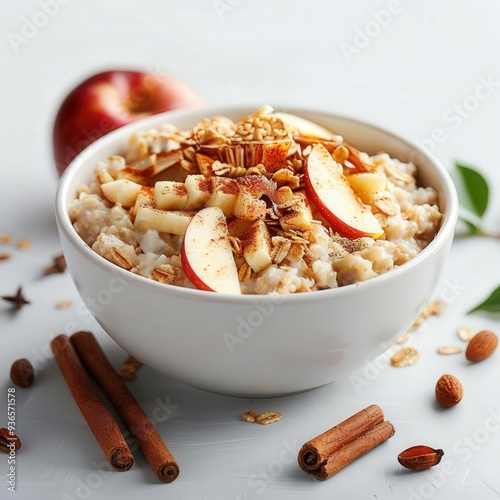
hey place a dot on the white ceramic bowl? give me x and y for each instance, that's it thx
(256, 345)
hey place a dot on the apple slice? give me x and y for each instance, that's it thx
(333, 196)
(301, 126)
(163, 221)
(121, 191)
(207, 256)
(256, 244)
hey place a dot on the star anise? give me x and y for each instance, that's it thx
(58, 266)
(18, 300)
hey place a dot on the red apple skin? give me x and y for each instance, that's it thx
(190, 274)
(109, 100)
(341, 227)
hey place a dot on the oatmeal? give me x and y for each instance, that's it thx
(274, 203)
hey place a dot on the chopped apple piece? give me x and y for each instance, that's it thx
(367, 184)
(171, 195)
(283, 195)
(163, 221)
(249, 204)
(121, 191)
(256, 245)
(367, 181)
(249, 208)
(199, 189)
(272, 155)
(207, 255)
(299, 217)
(146, 196)
(333, 196)
(224, 194)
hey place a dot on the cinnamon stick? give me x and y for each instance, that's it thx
(99, 419)
(152, 446)
(335, 448)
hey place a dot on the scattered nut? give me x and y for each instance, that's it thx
(128, 370)
(21, 373)
(404, 338)
(481, 346)
(249, 416)
(420, 457)
(449, 391)
(449, 349)
(8, 440)
(5, 239)
(5, 256)
(405, 357)
(432, 308)
(465, 333)
(267, 417)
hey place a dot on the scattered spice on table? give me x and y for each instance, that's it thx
(18, 300)
(58, 265)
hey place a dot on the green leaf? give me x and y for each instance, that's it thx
(475, 193)
(491, 304)
(471, 227)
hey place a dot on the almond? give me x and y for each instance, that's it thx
(449, 391)
(420, 457)
(481, 346)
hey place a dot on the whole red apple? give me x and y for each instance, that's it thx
(109, 100)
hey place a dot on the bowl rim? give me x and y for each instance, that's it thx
(66, 227)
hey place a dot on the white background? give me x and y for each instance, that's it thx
(417, 71)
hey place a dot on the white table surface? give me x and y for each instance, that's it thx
(411, 77)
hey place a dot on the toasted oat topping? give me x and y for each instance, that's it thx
(23, 243)
(432, 308)
(5, 239)
(405, 357)
(465, 333)
(449, 349)
(64, 304)
(268, 417)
